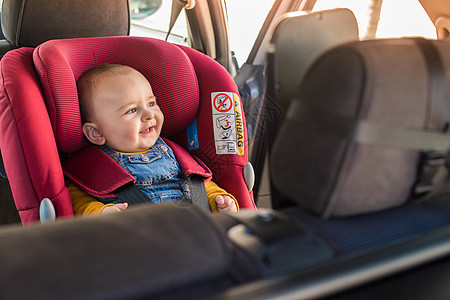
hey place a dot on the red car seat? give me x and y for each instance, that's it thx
(40, 118)
(28, 23)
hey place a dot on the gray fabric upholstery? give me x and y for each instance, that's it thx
(141, 252)
(299, 40)
(382, 81)
(27, 23)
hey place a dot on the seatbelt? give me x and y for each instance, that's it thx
(366, 132)
(177, 7)
(131, 194)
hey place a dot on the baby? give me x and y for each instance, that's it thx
(120, 114)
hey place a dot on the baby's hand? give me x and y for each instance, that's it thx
(225, 203)
(114, 208)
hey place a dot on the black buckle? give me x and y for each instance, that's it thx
(429, 165)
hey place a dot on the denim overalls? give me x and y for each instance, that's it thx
(156, 172)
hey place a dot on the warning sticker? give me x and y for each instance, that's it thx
(227, 123)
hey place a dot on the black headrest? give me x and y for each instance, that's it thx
(28, 23)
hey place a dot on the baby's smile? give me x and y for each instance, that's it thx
(147, 130)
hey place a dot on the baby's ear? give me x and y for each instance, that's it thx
(92, 133)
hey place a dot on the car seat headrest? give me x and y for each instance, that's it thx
(28, 23)
(291, 58)
(59, 63)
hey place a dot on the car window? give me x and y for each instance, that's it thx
(398, 18)
(151, 18)
(245, 19)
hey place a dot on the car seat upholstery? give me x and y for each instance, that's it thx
(184, 81)
(155, 258)
(28, 23)
(88, 18)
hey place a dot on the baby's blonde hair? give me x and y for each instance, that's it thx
(90, 79)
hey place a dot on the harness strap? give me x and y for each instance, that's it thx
(131, 194)
(198, 192)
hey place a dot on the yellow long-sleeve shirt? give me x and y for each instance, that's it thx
(85, 204)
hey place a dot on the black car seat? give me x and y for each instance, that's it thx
(363, 145)
(28, 23)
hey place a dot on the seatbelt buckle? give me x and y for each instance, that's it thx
(431, 164)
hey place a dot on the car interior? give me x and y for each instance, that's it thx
(349, 144)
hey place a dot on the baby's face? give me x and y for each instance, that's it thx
(126, 113)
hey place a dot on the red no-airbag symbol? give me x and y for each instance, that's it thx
(223, 103)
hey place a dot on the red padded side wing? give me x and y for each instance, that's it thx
(188, 164)
(95, 172)
(227, 169)
(27, 142)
